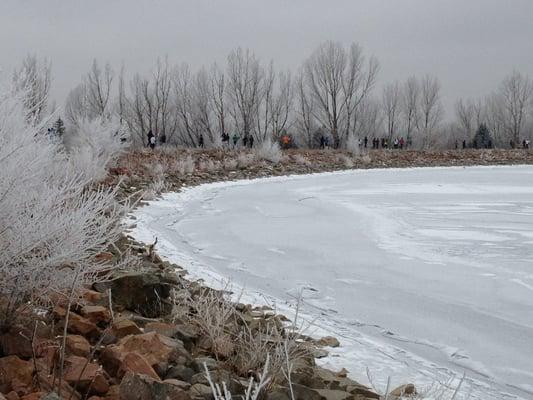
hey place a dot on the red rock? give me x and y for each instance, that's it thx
(93, 297)
(96, 314)
(33, 396)
(125, 327)
(83, 374)
(137, 364)
(113, 393)
(10, 396)
(82, 326)
(78, 346)
(13, 369)
(153, 347)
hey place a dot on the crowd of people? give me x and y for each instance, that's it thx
(286, 141)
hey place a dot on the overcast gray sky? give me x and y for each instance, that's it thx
(469, 44)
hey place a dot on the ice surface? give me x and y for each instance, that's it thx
(422, 273)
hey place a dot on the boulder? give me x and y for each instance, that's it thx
(198, 364)
(96, 314)
(142, 387)
(200, 391)
(78, 346)
(144, 292)
(153, 347)
(16, 342)
(15, 372)
(137, 364)
(124, 327)
(85, 375)
(404, 391)
(328, 394)
(329, 341)
(180, 372)
(93, 297)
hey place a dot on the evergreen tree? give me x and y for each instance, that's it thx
(482, 140)
(59, 127)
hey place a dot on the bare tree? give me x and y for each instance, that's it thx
(493, 116)
(34, 79)
(263, 116)
(369, 119)
(203, 104)
(281, 103)
(391, 104)
(245, 80)
(338, 80)
(98, 84)
(466, 118)
(218, 95)
(410, 105)
(304, 112)
(431, 111)
(516, 93)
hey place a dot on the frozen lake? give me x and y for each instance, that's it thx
(421, 273)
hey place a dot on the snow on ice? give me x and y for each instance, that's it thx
(423, 274)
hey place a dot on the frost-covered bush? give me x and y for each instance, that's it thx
(269, 151)
(208, 166)
(51, 225)
(299, 159)
(353, 145)
(184, 166)
(94, 145)
(245, 159)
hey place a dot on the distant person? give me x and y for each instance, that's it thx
(163, 139)
(251, 141)
(201, 141)
(456, 144)
(150, 136)
(464, 144)
(527, 143)
(152, 142)
(225, 140)
(366, 141)
(245, 141)
(402, 143)
(322, 142)
(235, 139)
(396, 143)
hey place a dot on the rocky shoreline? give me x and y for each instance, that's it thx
(146, 332)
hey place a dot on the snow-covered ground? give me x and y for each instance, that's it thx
(422, 274)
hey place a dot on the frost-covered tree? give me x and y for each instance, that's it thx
(33, 79)
(52, 224)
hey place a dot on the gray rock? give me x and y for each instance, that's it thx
(180, 372)
(146, 293)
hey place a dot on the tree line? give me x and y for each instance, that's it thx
(333, 94)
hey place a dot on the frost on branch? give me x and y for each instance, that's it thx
(51, 225)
